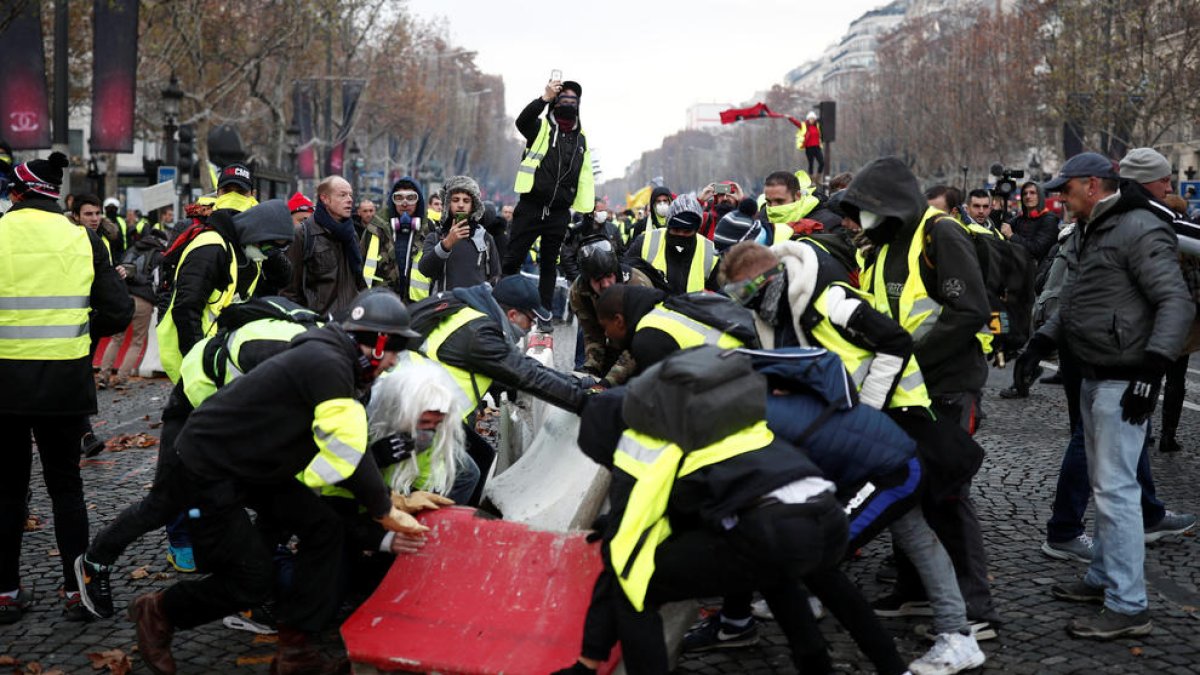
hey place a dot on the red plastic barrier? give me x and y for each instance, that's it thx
(483, 596)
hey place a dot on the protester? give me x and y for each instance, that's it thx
(682, 259)
(141, 269)
(327, 266)
(460, 252)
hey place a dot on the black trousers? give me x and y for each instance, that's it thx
(531, 221)
(817, 156)
(58, 447)
(157, 509)
(770, 550)
(1173, 393)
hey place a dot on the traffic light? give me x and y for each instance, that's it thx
(828, 113)
(186, 151)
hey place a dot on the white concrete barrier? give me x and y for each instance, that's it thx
(151, 365)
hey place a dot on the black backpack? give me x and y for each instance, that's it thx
(270, 307)
(719, 312)
(165, 287)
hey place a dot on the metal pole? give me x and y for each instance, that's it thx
(60, 122)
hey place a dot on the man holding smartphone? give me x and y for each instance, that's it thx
(554, 177)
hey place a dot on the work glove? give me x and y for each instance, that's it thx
(420, 501)
(1140, 397)
(399, 521)
(1027, 366)
(391, 449)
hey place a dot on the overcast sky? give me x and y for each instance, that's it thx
(642, 63)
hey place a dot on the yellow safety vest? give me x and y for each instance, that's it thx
(687, 331)
(235, 201)
(418, 283)
(585, 192)
(219, 299)
(655, 464)
(910, 391)
(46, 273)
(472, 384)
(918, 312)
(198, 376)
(704, 257)
(783, 232)
(340, 433)
(371, 261)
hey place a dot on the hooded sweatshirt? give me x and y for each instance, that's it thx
(652, 219)
(950, 355)
(1036, 229)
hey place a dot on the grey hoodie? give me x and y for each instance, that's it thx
(269, 221)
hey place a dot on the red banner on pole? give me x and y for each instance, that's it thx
(114, 75)
(24, 97)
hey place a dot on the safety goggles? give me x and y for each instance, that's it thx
(269, 246)
(743, 292)
(402, 197)
(595, 248)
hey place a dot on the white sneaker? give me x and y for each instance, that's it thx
(952, 653)
(760, 610)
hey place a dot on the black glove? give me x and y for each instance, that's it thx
(1027, 367)
(391, 449)
(1140, 397)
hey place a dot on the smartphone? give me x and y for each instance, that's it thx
(721, 189)
(556, 74)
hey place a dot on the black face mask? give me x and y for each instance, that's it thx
(884, 232)
(724, 208)
(567, 112)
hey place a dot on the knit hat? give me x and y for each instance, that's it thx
(685, 213)
(1145, 165)
(299, 202)
(235, 174)
(737, 226)
(41, 176)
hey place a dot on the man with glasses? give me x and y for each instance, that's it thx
(1124, 314)
(1035, 227)
(555, 177)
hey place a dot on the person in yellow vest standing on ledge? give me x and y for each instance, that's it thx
(555, 177)
(57, 292)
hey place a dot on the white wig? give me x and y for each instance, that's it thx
(397, 402)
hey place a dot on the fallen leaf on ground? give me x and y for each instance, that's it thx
(32, 523)
(34, 668)
(115, 660)
(53, 553)
(255, 660)
(126, 441)
(139, 573)
(6, 660)
(154, 425)
(1136, 651)
(162, 576)
(266, 639)
(91, 507)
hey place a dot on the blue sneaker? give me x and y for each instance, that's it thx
(181, 558)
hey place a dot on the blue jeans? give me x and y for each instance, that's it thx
(1073, 491)
(1113, 446)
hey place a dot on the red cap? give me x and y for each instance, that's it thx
(299, 202)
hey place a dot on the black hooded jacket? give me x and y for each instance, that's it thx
(1036, 229)
(651, 220)
(557, 177)
(950, 355)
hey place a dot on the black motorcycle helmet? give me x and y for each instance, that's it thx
(597, 258)
(378, 319)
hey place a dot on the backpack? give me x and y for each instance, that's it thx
(270, 307)
(719, 312)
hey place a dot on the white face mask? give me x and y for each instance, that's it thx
(601, 217)
(661, 209)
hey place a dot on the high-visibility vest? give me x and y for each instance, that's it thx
(472, 384)
(371, 261)
(340, 433)
(418, 283)
(685, 330)
(585, 192)
(46, 273)
(124, 230)
(782, 232)
(235, 201)
(917, 311)
(704, 257)
(655, 464)
(203, 373)
(910, 391)
(219, 299)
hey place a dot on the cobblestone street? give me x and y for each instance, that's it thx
(1024, 440)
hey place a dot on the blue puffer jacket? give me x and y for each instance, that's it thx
(849, 442)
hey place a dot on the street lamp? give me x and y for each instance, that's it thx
(355, 165)
(171, 97)
(293, 144)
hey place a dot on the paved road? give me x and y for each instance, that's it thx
(1024, 440)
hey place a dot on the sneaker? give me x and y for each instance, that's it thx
(1014, 392)
(893, 606)
(12, 609)
(1078, 549)
(981, 631)
(1055, 378)
(543, 326)
(95, 588)
(74, 610)
(951, 653)
(1171, 523)
(760, 610)
(1108, 625)
(89, 445)
(1168, 444)
(260, 621)
(712, 633)
(1077, 591)
(181, 558)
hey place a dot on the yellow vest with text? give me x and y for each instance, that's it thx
(585, 191)
(687, 331)
(46, 273)
(218, 299)
(655, 464)
(472, 384)
(917, 311)
(910, 391)
(704, 257)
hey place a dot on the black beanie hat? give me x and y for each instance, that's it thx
(42, 176)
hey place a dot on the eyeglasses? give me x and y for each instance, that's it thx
(404, 198)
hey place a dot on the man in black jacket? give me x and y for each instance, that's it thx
(941, 299)
(1035, 227)
(555, 176)
(58, 287)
